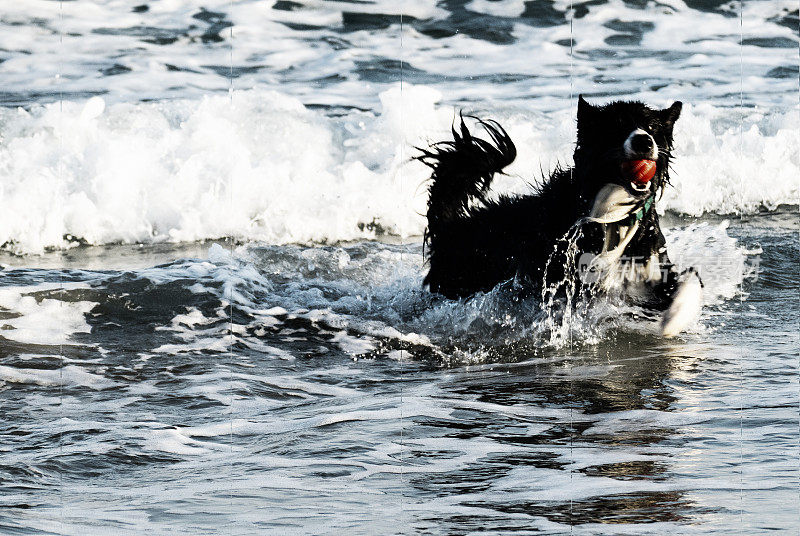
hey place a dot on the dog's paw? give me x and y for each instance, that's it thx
(686, 305)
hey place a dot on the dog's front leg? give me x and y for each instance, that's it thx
(686, 301)
(678, 294)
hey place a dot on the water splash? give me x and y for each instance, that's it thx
(566, 301)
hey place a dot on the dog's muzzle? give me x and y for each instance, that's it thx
(639, 166)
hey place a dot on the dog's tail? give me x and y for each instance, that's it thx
(463, 169)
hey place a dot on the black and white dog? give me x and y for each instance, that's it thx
(622, 158)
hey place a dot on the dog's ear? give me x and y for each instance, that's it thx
(585, 110)
(586, 117)
(671, 114)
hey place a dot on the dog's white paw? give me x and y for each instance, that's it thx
(685, 307)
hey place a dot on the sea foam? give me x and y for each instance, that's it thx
(261, 166)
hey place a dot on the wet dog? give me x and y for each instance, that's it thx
(595, 221)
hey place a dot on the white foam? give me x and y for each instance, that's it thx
(270, 48)
(43, 320)
(173, 441)
(70, 375)
(643, 419)
(216, 342)
(501, 8)
(387, 409)
(723, 167)
(353, 345)
(721, 262)
(267, 169)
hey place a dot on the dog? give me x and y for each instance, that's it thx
(594, 223)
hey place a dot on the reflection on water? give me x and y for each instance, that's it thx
(612, 402)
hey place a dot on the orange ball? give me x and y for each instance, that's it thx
(639, 171)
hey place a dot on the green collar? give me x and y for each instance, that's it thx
(644, 209)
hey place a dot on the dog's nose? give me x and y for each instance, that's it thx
(642, 143)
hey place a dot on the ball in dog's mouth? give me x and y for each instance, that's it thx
(639, 172)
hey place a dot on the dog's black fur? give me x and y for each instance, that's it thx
(474, 243)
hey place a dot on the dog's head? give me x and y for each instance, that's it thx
(622, 161)
(626, 143)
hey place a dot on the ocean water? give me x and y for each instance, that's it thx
(211, 311)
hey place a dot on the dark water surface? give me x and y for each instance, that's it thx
(286, 389)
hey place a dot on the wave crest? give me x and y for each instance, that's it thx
(260, 166)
